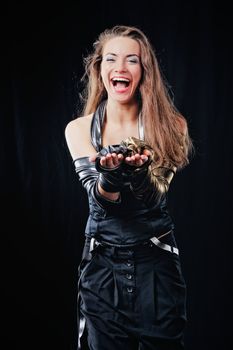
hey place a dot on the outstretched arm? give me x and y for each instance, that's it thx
(89, 177)
(77, 134)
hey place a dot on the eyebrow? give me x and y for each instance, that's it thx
(114, 54)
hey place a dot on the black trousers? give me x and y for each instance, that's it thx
(132, 299)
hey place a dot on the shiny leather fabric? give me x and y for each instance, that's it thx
(88, 175)
(110, 179)
(128, 220)
(153, 185)
(96, 126)
(128, 297)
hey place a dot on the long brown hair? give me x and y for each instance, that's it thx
(165, 127)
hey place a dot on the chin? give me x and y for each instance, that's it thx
(123, 99)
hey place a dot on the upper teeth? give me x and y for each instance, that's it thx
(121, 79)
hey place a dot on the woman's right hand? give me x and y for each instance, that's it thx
(110, 161)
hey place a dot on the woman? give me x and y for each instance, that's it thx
(126, 149)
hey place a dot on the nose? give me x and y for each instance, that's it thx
(120, 66)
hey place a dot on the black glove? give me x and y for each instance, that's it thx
(148, 182)
(111, 179)
(152, 184)
(89, 176)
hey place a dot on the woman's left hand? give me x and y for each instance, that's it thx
(137, 159)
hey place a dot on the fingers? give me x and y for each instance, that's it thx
(136, 160)
(111, 160)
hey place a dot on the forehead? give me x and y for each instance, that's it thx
(121, 45)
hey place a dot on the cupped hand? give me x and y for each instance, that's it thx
(138, 159)
(111, 160)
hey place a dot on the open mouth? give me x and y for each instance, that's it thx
(120, 84)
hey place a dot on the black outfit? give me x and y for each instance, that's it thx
(132, 293)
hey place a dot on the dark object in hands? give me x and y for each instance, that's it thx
(147, 182)
(136, 146)
(114, 179)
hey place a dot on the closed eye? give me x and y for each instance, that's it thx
(133, 60)
(109, 58)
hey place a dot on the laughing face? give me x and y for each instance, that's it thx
(121, 69)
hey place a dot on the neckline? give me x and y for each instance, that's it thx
(97, 124)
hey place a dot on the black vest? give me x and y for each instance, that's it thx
(130, 221)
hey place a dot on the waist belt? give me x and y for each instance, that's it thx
(154, 240)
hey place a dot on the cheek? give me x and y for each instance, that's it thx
(104, 75)
(138, 76)
(137, 73)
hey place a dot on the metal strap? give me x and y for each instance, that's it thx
(140, 127)
(93, 244)
(81, 327)
(81, 321)
(164, 246)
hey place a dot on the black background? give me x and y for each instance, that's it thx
(44, 208)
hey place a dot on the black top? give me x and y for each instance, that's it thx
(128, 221)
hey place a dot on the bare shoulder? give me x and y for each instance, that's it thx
(78, 137)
